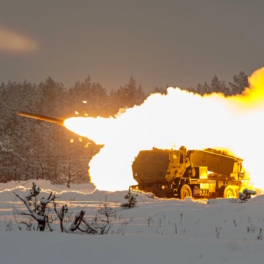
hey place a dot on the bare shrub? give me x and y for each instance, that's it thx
(9, 224)
(260, 234)
(61, 214)
(106, 211)
(246, 195)
(37, 210)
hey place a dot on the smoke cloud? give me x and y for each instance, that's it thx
(178, 118)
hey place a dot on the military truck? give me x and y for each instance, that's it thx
(181, 173)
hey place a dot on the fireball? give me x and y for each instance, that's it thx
(179, 118)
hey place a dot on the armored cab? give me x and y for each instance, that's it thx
(157, 170)
(151, 166)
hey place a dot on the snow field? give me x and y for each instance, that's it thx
(161, 231)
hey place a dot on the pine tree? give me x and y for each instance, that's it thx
(240, 82)
(216, 85)
(160, 90)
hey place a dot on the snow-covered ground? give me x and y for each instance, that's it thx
(161, 230)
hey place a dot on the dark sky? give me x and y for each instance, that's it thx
(158, 42)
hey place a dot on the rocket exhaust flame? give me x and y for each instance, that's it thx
(178, 118)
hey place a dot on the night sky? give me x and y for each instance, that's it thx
(158, 42)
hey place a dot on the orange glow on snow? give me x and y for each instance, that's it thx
(13, 42)
(179, 118)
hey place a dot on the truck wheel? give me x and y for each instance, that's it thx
(185, 191)
(229, 192)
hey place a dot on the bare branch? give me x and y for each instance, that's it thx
(77, 221)
(89, 229)
(126, 222)
(28, 224)
(51, 197)
(32, 213)
(73, 173)
(48, 223)
(61, 214)
(22, 213)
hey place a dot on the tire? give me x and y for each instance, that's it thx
(185, 191)
(230, 192)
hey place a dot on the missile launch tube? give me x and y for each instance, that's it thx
(59, 121)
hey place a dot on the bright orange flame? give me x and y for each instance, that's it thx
(14, 42)
(178, 118)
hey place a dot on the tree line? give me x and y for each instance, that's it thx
(31, 149)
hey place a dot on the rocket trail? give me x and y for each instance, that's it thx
(59, 121)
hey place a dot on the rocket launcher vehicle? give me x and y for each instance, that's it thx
(194, 173)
